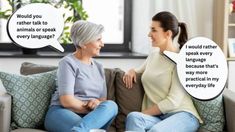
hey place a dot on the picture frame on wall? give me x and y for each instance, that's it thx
(231, 47)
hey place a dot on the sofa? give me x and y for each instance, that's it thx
(127, 99)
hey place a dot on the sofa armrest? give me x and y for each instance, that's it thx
(5, 112)
(229, 103)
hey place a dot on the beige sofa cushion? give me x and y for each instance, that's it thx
(28, 68)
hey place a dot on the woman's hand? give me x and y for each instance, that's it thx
(129, 77)
(70, 102)
(83, 109)
(92, 104)
(153, 110)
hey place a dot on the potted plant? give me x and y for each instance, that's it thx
(74, 6)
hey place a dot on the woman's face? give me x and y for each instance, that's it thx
(93, 48)
(157, 34)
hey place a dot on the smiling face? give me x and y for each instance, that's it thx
(93, 48)
(157, 34)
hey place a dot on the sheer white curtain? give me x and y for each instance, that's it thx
(197, 14)
(0, 23)
(3, 31)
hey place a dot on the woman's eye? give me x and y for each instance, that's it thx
(153, 30)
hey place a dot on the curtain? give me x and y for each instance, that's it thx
(197, 14)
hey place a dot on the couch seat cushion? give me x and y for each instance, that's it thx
(27, 130)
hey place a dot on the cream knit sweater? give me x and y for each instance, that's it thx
(162, 86)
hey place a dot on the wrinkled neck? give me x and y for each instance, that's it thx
(82, 57)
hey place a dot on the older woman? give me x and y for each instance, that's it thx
(79, 102)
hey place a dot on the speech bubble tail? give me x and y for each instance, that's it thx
(57, 46)
(172, 56)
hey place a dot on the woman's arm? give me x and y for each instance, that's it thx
(66, 81)
(102, 99)
(70, 102)
(175, 96)
(154, 110)
(130, 76)
(93, 103)
(141, 68)
(78, 106)
(172, 100)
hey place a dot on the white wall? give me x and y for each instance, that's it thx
(12, 65)
(197, 14)
(231, 75)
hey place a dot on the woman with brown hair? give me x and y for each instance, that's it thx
(166, 105)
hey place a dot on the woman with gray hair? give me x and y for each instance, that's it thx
(79, 102)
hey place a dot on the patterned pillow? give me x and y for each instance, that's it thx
(30, 97)
(212, 113)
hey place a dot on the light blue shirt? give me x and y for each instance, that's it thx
(82, 80)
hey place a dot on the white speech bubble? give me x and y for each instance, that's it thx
(201, 67)
(35, 26)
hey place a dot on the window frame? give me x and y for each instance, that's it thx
(109, 47)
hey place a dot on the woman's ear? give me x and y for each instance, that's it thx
(83, 47)
(169, 34)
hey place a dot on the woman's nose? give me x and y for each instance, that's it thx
(149, 34)
(101, 44)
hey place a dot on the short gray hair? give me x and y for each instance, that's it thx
(83, 32)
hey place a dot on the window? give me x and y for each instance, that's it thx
(113, 21)
(115, 15)
(3, 32)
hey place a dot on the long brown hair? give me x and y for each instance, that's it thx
(169, 22)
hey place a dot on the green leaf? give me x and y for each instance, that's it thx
(69, 19)
(66, 27)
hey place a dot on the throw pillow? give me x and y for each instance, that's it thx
(128, 100)
(212, 113)
(110, 79)
(30, 97)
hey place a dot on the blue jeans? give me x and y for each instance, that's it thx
(170, 122)
(60, 119)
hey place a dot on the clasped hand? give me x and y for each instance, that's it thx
(91, 104)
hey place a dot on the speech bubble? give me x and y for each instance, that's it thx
(35, 26)
(201, 67)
